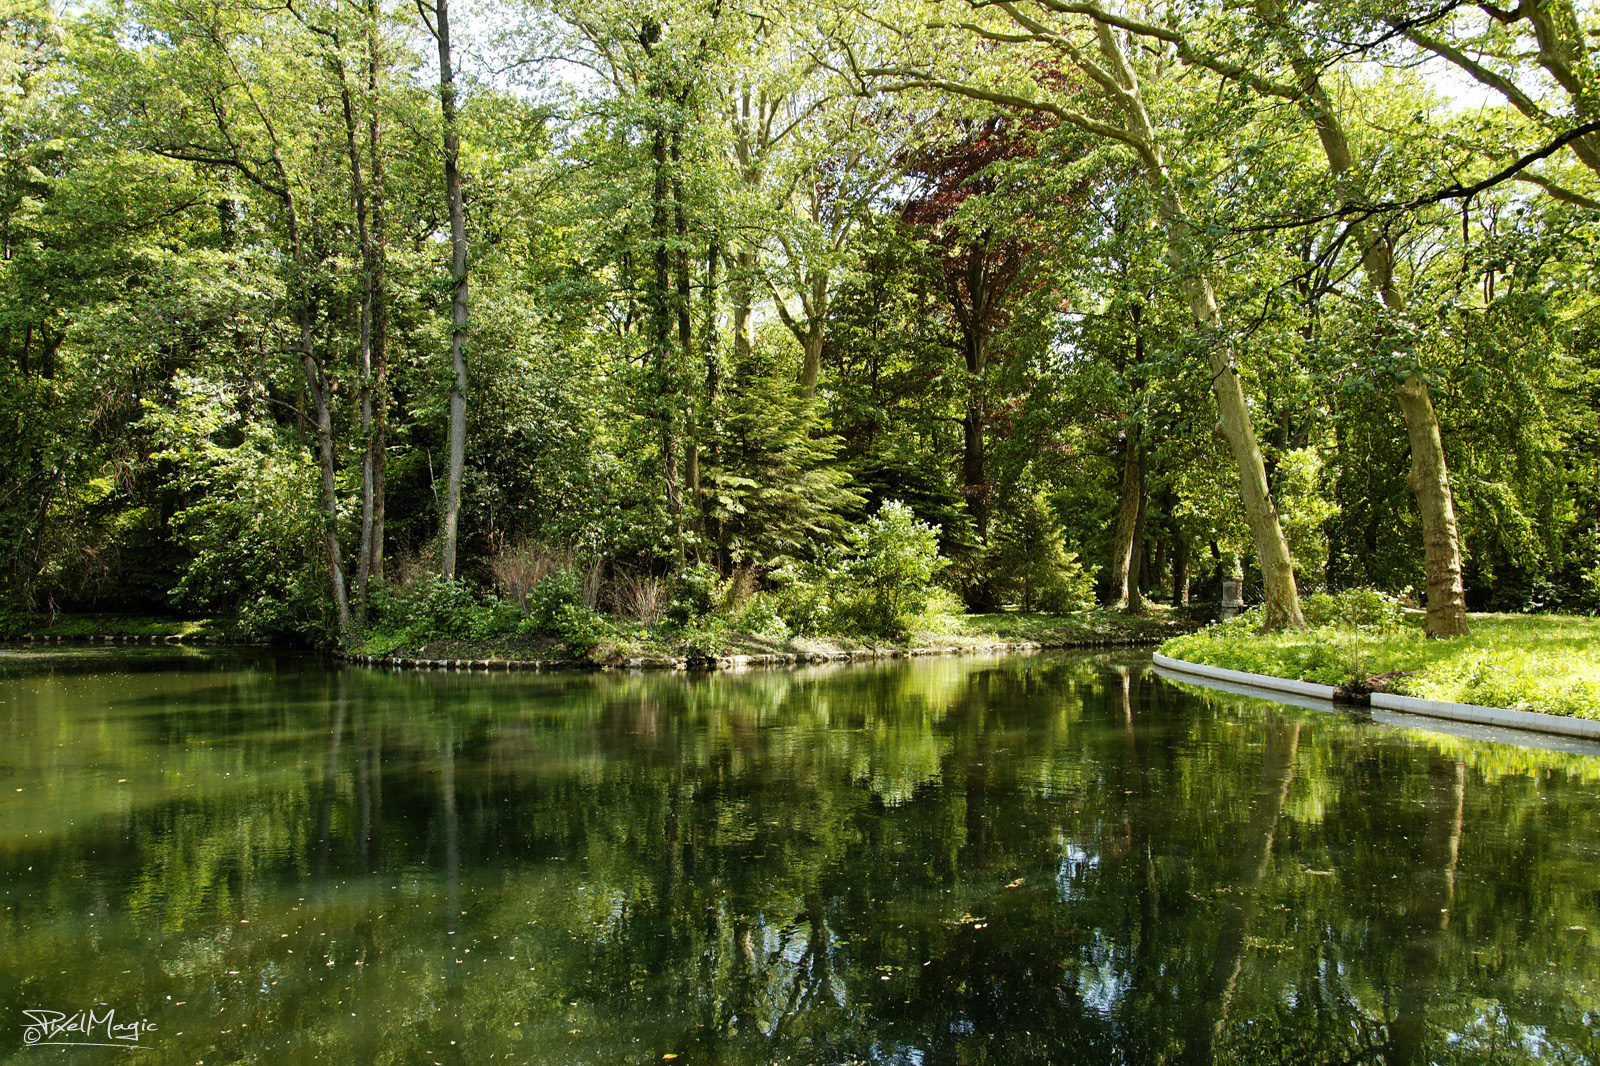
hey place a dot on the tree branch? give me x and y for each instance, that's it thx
(1456, 191)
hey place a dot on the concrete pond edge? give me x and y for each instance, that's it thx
(1504, 717)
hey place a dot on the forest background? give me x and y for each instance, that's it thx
(334, 315)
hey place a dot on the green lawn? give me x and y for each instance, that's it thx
(1548, 663)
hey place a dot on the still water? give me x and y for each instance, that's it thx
(1048, 859)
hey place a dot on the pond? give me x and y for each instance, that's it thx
(247, 857)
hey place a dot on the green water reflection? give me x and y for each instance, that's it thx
(1050, 859)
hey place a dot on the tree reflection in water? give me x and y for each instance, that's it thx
(1041, 859)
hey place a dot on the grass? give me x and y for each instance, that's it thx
(77, 626)
(1548, 663)
(1085, 627)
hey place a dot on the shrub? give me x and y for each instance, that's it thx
(639, 596)
(520, 568)
(1070, 588)
(495, 618)
(942, 613)
(581, 629)
(762, 616)
(548, 598)
(1028, 561)
(694, 591)
(433, 607)
(893, 559)
(438, 606)
(802, 597)
(1362, 608)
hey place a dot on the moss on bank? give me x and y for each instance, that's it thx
(1547, 663)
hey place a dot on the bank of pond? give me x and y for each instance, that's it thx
(1025, 858)
(1363, 644)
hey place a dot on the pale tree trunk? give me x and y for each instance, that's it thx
(321, 415)
(808, 330)
(358, 197)
(1429, 478)
(1282, 606)
(380, 316)
(1180, 569)
(323, 421)
(744, 264)
(458, 286)
(1127, 519)
(752, 115)
(811, 366)
(1139, 564)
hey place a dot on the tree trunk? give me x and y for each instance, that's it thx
(1128, 507)
(1429, 479)
(972, 470)
(1139, 579)
(322, 419)
(358, 197)
(1447, 604)
(458, 286)
(1180, 570)
(1282, 606)
(380, 316)
(739, 289)
(811, 365)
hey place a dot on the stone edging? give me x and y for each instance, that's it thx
(125, 638)
(731, 662)
(1558, 724)
(1239, 677)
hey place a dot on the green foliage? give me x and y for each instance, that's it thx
(432, 607)
(878, 586)
(802, 597)
(548, 600)
(1028, 559)
(581, 629)
(250, 522)
(888, 572)
(1364, 608)
(694, 591)
(763, 615)
(775, 488)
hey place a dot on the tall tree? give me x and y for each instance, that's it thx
(438, 24)
(1130, 124)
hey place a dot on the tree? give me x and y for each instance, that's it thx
(438, 25)
(1134, 129)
